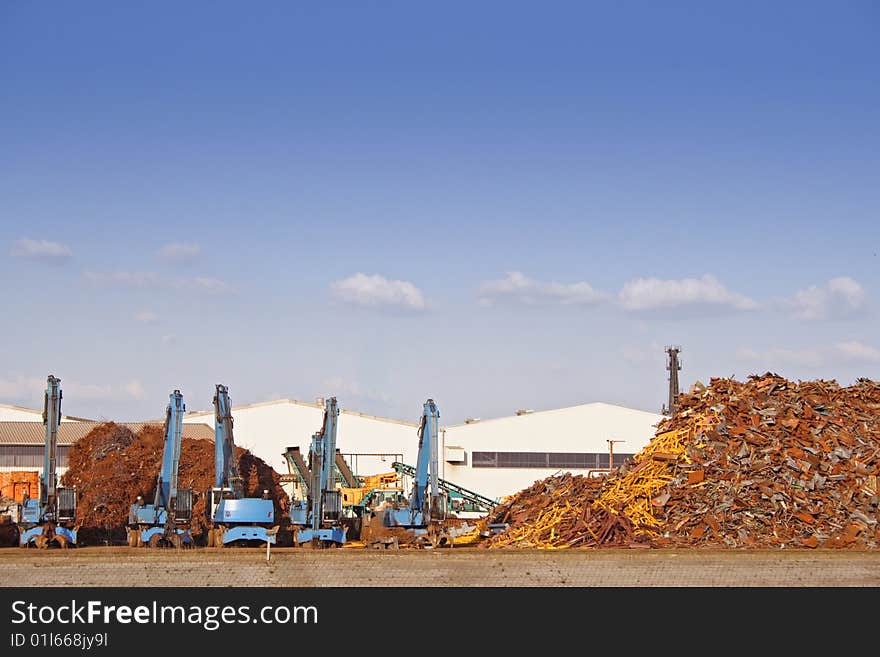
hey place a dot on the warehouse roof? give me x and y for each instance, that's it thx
(528, 415)
(298, 402)
(33, 433)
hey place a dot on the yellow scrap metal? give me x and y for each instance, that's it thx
(629, 495)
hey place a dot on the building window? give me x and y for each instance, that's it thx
(546, 460)
(484, 459)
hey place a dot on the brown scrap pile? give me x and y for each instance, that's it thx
(576, 511)
(111, 466)
(766, 463)
(781, 464)
(551, 513)
(8, 529)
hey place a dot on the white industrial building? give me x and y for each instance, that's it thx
(369, 443)
(494, 457)
(501, 456)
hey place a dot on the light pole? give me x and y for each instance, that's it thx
(611, 453)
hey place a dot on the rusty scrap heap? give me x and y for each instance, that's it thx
(111, 466)
(765, 463)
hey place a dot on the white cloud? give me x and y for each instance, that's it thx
(28, 391)
(79, 390)
(517, 286)
(41, 250)
(857, 351)
(134, 389)
(635, 355)
(376, 290)
(210, 285)
(838, 297)
(148, 279)
(125, 278)
(178, 253)
(146, 317)
(773, 358)
(341, 388)
(22, 389)
(852, 351)
(655, 293)
(168, 340)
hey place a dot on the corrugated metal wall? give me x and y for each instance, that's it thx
(29, 456)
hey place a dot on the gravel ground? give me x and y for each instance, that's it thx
(131, 567)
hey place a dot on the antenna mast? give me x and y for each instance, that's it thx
(673, 366)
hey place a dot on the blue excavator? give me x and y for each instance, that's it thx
(318, 519)
(421, 520)
(51, 518)
(233, 518)
(165, 522)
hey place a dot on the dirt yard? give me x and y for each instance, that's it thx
(132, 567)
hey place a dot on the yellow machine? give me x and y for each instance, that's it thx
(386, 481)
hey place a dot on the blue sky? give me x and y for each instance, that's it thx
(497, 205)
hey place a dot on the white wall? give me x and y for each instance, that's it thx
(267, 430)
(585, 428)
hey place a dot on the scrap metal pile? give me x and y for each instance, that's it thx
(8, 528)
(765, 463)
(111, 466)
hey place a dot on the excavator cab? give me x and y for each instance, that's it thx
(66, 504)
(331, 507)
(437, 506)
(183, 506)
(212, 501)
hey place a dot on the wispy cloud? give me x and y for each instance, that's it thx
(857, 351)
(41, 250)
(772, 358)
(206, 284)
(343, 388)
(644, 354)
(377, 291)
(23, 389)
(79, 390)
(134, 389)
(126, 278)
(658, 294)
(517, 287)
(851, 351)
(837, 298)
(179, 253)
(28, 391)
(646, 296)
(147, 279)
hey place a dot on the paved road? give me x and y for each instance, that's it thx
(454, 567)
